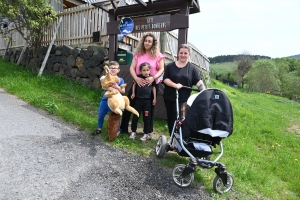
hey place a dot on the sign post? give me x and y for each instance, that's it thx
(126, 25)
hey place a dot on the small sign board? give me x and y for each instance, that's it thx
(126, 25)
(152, 23)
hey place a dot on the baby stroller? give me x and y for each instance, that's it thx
(208, 119)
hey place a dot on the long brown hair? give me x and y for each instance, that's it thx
(140, 49)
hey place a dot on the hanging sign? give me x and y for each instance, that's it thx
(126, 25)
(152, 23)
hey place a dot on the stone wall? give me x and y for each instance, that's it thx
(82, 65)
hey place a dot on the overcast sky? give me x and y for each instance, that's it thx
(259, 27)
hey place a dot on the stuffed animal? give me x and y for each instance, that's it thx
(116, 102)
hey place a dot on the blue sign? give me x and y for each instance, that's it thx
(126, 25)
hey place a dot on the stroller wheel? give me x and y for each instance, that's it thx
(161, 146)
(219, 187)
(182, 182)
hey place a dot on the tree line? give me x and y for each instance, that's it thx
(279, 76)
(232, 58)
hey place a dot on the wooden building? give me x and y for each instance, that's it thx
(83, 24)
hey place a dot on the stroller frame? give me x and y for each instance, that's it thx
(183, 175)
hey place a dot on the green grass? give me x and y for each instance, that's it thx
(262, 154)
(223, 68)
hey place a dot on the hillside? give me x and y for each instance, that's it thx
(222, 68)
(232, 58)
(263, 145)
(295, 56)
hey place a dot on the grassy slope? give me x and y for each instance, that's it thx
(262, 154)
(223, 68)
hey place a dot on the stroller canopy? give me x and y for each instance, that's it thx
(210, 112)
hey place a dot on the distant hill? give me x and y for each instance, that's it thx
(232, 58)
(295, 56)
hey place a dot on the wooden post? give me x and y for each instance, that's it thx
(163, 41)
(183, 32)
(113, 40)
(8, 44)
(22, 52)
(49, 48)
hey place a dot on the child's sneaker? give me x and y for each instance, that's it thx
(145, 137)
(132, 135)
(96, 132)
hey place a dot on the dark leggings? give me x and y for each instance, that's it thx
(171, 113)
(142, 106)
(126, 114)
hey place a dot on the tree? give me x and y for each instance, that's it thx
(289, 74)
(263, 77)
(29, 17)
(291, 85)
(298, 67)
(244, 65)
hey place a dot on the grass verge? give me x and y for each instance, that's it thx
(262, 154)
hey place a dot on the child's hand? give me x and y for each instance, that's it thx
(132, 96)
(115, 85)
(154, 102)
(111, 89)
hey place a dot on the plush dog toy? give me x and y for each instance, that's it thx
(116, 102)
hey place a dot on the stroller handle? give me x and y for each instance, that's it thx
(189, 88)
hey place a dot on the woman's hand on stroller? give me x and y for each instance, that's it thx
(178, 86)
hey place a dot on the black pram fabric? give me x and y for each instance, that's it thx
(211, 109)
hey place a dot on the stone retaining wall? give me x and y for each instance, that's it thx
(82, 65)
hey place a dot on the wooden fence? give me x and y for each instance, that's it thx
(17, 40)
(79, 24)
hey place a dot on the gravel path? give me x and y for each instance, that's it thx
(44, 158)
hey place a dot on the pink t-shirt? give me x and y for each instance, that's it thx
(154, 63)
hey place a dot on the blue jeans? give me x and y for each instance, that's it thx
(103, 110)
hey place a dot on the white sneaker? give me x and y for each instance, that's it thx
(132, 135)
(145, 137)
